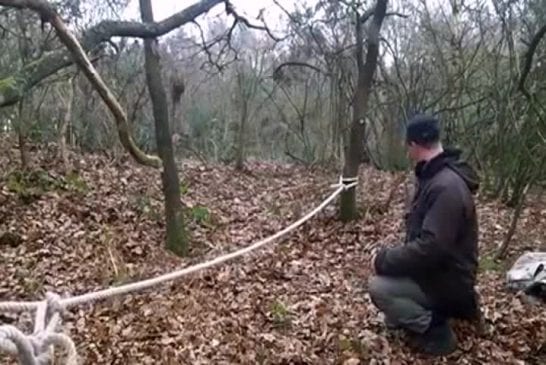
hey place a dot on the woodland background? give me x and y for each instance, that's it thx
(270, 116)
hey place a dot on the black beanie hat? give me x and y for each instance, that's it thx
(423, 130)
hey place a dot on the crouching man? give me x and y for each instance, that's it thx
(430, 278)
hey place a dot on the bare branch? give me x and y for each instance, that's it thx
(396, 14)
(206, 47)
(228, 45)
(287, 13)
(460, 107)
(231, 11)
(107, 29)
(367, 15)
(299, 64)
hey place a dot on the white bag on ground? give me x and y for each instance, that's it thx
(529, 274)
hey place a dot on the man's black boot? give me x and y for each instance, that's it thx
(438, 340)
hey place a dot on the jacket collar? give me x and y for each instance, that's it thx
(425, 170)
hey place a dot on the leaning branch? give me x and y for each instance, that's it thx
(48, 14)
(13, 87)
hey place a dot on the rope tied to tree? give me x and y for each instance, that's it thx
(346, 182)
(35, 349)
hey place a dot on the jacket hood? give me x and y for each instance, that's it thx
(451, 157)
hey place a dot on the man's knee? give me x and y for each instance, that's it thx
(378, 289)
(386, 287)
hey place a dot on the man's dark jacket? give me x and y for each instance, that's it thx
(441, 248)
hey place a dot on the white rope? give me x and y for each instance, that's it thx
(17, 307)
(110, 292)
(7, 344)
(16, 342)
(64, 341)
(346, 182)
(106, 293)
(33, 349)
(343, 184)
(40, 319)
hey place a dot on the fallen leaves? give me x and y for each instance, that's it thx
(301, 300)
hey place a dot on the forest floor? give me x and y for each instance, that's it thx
(300, 300)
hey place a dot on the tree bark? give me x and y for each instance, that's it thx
(243, 100)
(22, 137)
(513, 224)
(176, 232)
(65, 121)
(348, 209)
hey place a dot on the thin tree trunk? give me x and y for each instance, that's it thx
(22, 137)
(65, 122)
(177, 239)
(513, 224)
(334, 118)
(240, 154)
(348, 209)
(240, 162)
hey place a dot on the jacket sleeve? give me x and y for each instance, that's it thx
(428, 251)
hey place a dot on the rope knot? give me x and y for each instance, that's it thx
(36, 349)
(48, 313)
(54, 304)
(346, 182)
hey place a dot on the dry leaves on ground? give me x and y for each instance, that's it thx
(301, 300)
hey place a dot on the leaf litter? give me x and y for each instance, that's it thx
(301, 300)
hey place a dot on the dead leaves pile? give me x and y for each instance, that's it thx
(301, 301)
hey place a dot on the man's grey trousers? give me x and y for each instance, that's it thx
(402, 301)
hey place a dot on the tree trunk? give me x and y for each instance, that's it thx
(65, 122)
(348, 210)
(513, 224)
(240, 154)
(177, 239)
(22, 137)
(240, 159)
(334, 119)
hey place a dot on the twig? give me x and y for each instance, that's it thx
(230, 10)
(298, 64)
